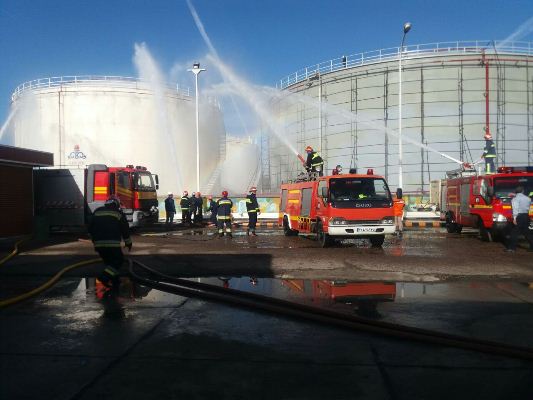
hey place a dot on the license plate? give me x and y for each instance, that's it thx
(366, 230)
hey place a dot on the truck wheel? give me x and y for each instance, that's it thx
(322, 237)
(484, 233)
(377, 241)
(286, 230)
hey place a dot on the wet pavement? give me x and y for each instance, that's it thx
(428, 255)
(76, 341)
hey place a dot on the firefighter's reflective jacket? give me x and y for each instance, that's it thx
(490, 149)
(224, 206)
(314, 161)
(251, 204)
(108, 226)
(185, 203)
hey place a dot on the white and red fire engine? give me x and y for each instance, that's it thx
(66, 198)
(482, 201)
(338, 207)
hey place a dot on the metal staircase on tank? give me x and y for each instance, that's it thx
(208, 187)
(254, 179)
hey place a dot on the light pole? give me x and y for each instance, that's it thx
(406, 28)
(196, 70)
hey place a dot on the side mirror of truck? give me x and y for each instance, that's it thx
(490, 191)
(324, 193)
(156, 182)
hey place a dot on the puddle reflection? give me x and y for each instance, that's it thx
(498, 311)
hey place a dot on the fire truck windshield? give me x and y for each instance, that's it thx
(144, 182)
(504, 188)
(349, 192)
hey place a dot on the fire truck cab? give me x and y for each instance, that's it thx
(338, 207)
(483, 201)
(66, 198)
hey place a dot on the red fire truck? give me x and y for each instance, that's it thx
(482, 201)
(66, 198)
(338, 207)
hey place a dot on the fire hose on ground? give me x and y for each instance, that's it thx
(233, 297)
(253, 301)
(15, 250)
(48, 284)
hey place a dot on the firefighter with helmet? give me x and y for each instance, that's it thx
(314, 162)
(252, 207)
(185, 204)
(224, 205)
(107, 228)
(489, 154)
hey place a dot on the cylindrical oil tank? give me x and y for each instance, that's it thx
(119, 121)
(452, 93)
(241, 168)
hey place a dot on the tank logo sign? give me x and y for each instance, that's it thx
(76, 154)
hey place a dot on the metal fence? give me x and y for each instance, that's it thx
(91, 80)
(410, 51)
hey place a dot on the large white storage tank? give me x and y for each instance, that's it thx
(348, 109)
(119, 121)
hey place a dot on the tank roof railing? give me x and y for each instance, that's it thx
(409, 51)
(114, 81)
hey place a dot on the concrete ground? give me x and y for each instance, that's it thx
(424, 255)
(73, 343)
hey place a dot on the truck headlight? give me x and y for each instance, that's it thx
(387, 220)
(337, 221)
(497, 217)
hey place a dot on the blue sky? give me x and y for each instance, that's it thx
(263, 40)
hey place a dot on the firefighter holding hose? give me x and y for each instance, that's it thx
(314, 162)
(107, 229)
